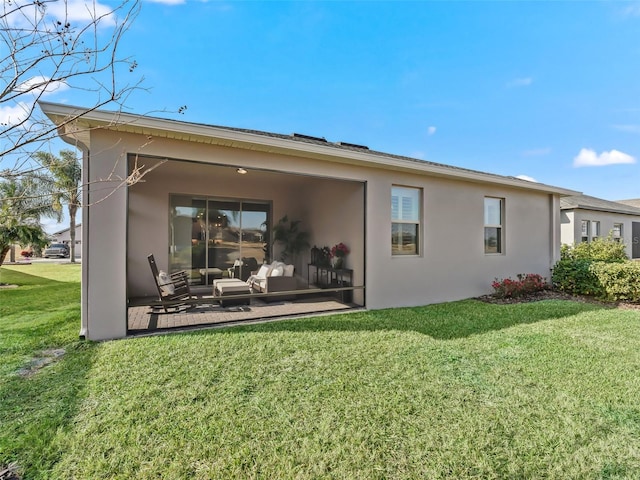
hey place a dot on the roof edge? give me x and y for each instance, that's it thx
(57, 113)
(600, 209)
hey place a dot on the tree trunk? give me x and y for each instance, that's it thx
(4, 249)
(72, 231)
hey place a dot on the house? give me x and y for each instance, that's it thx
(634, 202)
(418, 232)
(63, 236)
(585, 218)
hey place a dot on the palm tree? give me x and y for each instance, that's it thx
(22, 203)
(66, 180)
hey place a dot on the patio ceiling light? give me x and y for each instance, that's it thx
(241, 171)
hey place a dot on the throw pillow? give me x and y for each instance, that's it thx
(277, 271)
(166, 286)
(264, 270)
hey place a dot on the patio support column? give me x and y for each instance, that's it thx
(104, 302)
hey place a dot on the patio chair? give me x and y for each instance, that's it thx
(171, 287)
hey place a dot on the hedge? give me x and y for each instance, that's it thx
(611, 281)
(575, 276)
(619, 281)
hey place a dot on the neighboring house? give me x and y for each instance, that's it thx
(585, 218)
(64, 236)
(418, 232)
(634, 202)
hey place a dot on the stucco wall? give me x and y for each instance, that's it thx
(104, 240)
(568, 227)
(451, 264)
(572, 225)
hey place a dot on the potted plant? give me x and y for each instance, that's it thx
(338, 253)
(288, 233)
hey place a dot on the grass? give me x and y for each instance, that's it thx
(460, 390)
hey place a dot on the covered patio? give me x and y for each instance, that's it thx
(216, 221)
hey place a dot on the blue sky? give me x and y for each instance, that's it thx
(549, 90)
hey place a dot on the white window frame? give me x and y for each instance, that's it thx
(416, 220)
(585, 230)
(500, 247)
(617, 237)
(595, 229)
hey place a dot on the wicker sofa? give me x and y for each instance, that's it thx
(273, 278)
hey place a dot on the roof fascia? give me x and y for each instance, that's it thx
(600, 209)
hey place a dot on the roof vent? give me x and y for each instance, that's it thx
(353, 145)
(308, 137)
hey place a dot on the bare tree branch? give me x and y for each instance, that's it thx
(47, 47)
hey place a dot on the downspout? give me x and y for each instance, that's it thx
(84, 305)
(554, 237)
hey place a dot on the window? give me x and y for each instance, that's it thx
(595, 230)
(617, 232)
(493, 225)
(405, 220)
(585, 231)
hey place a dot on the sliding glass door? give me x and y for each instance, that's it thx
(217, 238)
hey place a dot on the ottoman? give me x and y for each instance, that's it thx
(228, 287)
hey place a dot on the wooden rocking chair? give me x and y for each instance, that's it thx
(171, 288)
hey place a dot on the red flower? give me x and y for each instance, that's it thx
(339, 250)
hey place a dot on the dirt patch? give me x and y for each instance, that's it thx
(46, 357)
(554, 295)
(3, 286)
(9, 472)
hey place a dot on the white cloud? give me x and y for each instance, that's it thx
(632, 10)
(628, 128)
(527, 178)
(431, 130)
(589, 158)
(536, 152)
(41, 85)
(80, 11)
(68, 11)
(14, 115)
(520, 82)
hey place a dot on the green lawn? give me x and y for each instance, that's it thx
(460, 390)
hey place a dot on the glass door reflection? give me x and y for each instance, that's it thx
(213, 238)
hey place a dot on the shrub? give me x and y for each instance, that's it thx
(525, 284)
(619, 281)
(575, 276)
(575, 272)
(26, 253)
(599, 250)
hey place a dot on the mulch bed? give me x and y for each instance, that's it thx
(554, 295)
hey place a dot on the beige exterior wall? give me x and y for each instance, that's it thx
(330, 200)
(568, 227)
(572, 225)
(452, 264)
